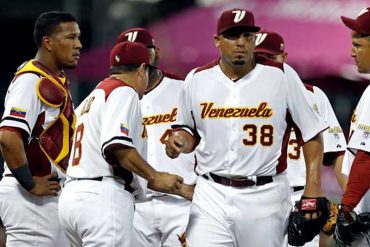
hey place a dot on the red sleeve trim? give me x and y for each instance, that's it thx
(359, 179)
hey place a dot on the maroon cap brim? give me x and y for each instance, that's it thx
(351, 24)
(253, 29)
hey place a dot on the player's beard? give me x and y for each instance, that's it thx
(239, 62)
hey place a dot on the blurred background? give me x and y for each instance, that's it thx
(318, 44)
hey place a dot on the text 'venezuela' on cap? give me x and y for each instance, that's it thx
(236, 18)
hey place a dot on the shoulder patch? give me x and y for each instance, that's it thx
(268, 62)
(207, 66)
(50, 92)
(109, 84)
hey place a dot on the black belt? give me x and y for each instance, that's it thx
(297, 188)
(95, 179)
(127, 186)
(239, 182)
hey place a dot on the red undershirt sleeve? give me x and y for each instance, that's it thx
(359, 179)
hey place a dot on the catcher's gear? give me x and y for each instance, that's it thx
(329, 227)
(351, 226)
(302, 230)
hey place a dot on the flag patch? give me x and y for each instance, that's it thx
(18, 112)
(124, 129)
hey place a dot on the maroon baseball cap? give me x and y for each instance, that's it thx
(140, 35)
(361, 24)
(129, 53)
(269, 43)
(236, 18)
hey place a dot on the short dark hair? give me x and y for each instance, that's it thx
(123, 68)
(48, 22)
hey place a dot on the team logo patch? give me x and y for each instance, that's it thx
(18, 112)
(124, 129)
(308, 204)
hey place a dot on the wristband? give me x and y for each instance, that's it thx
(24, 176)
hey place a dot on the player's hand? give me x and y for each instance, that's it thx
(187, 191)
(166, 183)
(46, 186)
(175, 146)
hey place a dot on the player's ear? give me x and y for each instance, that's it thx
(142, 70)
(157, 53)
(285, 57)
(217, 40)
(47, 42)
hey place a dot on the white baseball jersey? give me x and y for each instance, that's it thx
(159, 108)
(333, 138)
(242, 133)
(159, 220)
(109, 115)
(359, 140)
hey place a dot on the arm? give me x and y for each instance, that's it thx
(14, 154)
(313, 154)
(180, 142)
(164, 182)
(341, 178)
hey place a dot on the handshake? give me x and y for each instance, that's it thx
(172, 184)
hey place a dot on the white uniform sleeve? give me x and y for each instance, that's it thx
(22, 105)
(301, 107)
(360, 138)
(333, 138)
(121, 114)
(184, 118)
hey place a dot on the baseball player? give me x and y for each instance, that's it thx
(36, 132)
(109, 149)
(160, 218)
(272, 46)
(237, 115)
(356, 163)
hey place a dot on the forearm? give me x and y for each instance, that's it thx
(359, 180)
(341, 178)
(131, 160)
(313, 153)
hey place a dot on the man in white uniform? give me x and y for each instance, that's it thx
(237, 115)
(356, 163)
(109, 149)
(36, 135)
(272, 46)
(161, 218)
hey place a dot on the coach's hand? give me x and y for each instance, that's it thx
(166, 183)
(175, 145)
(45, 186)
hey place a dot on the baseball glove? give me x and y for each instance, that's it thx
(351, 226)
(329, 227)
(302, 230)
